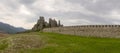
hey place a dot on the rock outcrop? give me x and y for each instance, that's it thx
(52, 23)
(41, 24)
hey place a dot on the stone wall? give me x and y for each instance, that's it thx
(88, 30)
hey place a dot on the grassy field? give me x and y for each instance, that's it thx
(37, 42)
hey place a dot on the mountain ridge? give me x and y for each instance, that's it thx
(6, 28)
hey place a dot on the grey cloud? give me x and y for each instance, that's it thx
(27, 2)
(100, 8)
(13, 4)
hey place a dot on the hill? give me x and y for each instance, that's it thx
(37, 42)
(6, 28)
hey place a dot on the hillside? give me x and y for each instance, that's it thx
(37, 42)
(9, 29)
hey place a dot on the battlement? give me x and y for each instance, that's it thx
(88, 30)
(95, 26)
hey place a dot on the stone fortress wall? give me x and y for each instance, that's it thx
(112, 31)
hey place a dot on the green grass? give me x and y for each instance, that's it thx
(60, 43)
(3, 45)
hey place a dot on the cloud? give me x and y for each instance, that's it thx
(24, 13)
(27, 2)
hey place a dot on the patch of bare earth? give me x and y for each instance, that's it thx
(3, 35)
(21, 42)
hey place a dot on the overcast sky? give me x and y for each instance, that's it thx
(25, 13)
